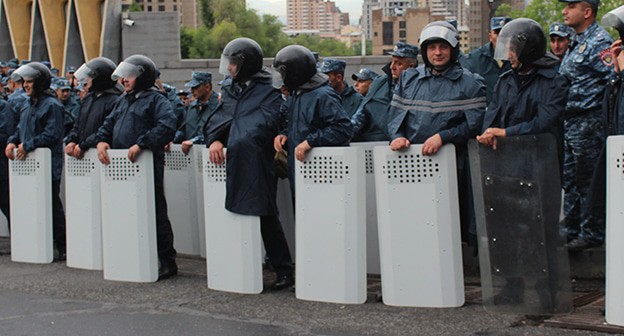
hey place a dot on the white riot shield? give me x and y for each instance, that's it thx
(30, 189)
(372, 235)
(516, 189)
(331, 226)
(419, 227)
(83, 211)
(180, 192)
(614, 286)
(4, 226)
(196, 151)
(129, 218)
(233, 241)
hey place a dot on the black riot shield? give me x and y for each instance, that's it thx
(517, 197)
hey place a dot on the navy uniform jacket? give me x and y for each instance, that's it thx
(370, 122)
(144, 118)
(613, 106)
(195, 118)
(41, 125)
(481, 61)
(424, 104)
(7, 128)
(246, 122)
(351, 99)
(95, 107)
(535, 106)
(72, 110)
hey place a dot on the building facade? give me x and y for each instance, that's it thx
(188, 9)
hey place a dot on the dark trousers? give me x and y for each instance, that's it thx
(594, 228)
(276, 245)
(5, 203)
(164, 232)
(58, 218)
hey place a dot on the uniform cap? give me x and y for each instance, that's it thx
(364, 74)
(198, 78)
(559, 29)
(332, 65)
(402, 49)
(498, 22)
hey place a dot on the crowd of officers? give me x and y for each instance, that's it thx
(510, 86)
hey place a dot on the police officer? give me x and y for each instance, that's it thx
(41, 126)
(370, 122)
(363, 80)
(316, 117)
(481, 61)
(70, 104)
(334, 69)
(416, 114)
(8, 123)
(531, 97)
(585, 64)
(103, 94)
(559, 39)
(143, 120)
(199, 110)
(247, 121)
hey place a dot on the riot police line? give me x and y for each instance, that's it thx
(416, 187)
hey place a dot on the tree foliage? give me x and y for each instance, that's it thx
(225, 20)
(546, 12)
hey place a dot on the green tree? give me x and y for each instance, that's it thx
(135, 7)
(205, 13)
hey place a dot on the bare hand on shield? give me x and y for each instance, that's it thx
(216, 153)
(186, 146)
(399, 143)
(102, 149)
(8, 151)
(78, 153)
(133, 153)
(69, 148)
(302, 149)
(432, 145)
(279, 142)
(488, 137)
(21, 152)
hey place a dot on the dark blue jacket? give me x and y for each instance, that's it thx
(246, 122)
(535, 105)
(195, 118)
(481, 61)
(370, 121)
(41, 125)
(72, 110)
(7, 128)
(451, 104)
(351, 100)
(613, 106)
(95, 107)
(145, 119)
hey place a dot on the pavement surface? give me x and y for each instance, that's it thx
(52, 299)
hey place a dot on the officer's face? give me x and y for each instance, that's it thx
(232, 69)
(439, 54)
(335, 80)
(62, 94)
(493, 35)
(201, 91)
(559, 45)
(513, 59)
(28, 86)
(576, 13)
(399, 64)
(362, 86)
(128, 83)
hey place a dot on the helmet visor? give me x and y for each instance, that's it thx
(278, 80)
(439, 32)
(614, 19)
(83, 73)
(508, 48)
(126, 70)
(230, 65)
(25, 73)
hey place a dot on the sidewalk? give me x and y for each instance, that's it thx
(185, 301)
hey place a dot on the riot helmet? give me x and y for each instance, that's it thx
(615, 19)
(522, 40)
(439, 31)
(137, 66)
(295, 65)
(36, 72)
(244, 53)
(99, 70)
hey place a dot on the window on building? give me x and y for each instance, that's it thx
(149, 8)
(402, 34)
(375, 34)
(402, 25)
(175, 8)
(161, 8)
(388, 33)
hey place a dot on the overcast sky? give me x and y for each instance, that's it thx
(278, 8)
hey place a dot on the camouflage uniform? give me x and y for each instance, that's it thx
(584, 130)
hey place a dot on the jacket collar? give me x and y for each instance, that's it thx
(454, 72)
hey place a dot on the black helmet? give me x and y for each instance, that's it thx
(523, 38)
(439, 31)
(615, 19)
(296, 65)
(38, 73)
(99, 70)
(140, 67)
(246, 54)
